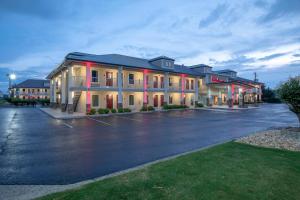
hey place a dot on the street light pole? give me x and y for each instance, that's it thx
(10, 78)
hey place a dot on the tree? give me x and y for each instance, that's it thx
(269, 96)
(289, 92)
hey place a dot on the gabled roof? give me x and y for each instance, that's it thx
(240, 79)
(225, 71)
(128, 61)
(199, 65)
(161, 57)
(33, 83)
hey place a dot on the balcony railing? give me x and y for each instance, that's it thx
(175, 86)
(106, 83)
(79, 81)
(137, 84)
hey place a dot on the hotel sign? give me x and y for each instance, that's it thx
(217, 79)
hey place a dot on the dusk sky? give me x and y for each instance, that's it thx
(246, 36)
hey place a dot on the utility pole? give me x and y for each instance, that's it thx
(255, 77)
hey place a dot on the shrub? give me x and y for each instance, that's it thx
(92, 112)
(150, 108)
(126, 110)
(113, 110)
(199, 105)
(120, 110)
(103, 111)
(144, 108)
(289, 92)
(169, 107)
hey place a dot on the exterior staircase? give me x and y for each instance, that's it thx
(76, 100)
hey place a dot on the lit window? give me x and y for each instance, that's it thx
(131, 100)
(131, 78)
(95, 100)
(94, 76)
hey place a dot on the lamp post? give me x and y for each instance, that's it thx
(10, 78)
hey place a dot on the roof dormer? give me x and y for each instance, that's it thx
(162, 61)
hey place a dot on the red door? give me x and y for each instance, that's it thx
(155, 103)
(161, 100)
(109, 101)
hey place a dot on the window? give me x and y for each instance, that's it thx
(95, 100)
(38, 90)
(131, 100)
(45, 90)
(170, 99)
(170, 82)
(131, 78)
(187, 84)
(155, 83)
(192, 84)
(94, 76)
(162, 82)
(23, 89)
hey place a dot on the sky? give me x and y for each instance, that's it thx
(245, 36)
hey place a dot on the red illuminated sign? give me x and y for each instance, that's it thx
(216, 79)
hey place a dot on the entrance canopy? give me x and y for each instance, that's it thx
(229, 83)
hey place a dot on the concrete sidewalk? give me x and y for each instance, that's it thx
(57, 114)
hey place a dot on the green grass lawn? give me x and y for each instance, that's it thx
(227, 171)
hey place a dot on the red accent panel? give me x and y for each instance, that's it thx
(215, 79)
(145, 86)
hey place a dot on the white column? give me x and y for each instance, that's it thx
(220, 97)
(145, 92)
(209, 100)
(120, 81)
(182, 88)
(69, 92)
(88, 86)
(259, 93)
(52, 91)
(166, 88)
(229, 96)
(196, 90)
(63, 88)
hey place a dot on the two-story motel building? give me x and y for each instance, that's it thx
(31, 89)
(84, 81)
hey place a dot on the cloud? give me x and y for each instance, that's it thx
(213, 16)
(281, 8)
(270, 57)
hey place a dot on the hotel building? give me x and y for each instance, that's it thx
(31, 89)
(84, 81)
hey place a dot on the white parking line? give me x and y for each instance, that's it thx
(102, 122)
(68, 125)
(130, 119)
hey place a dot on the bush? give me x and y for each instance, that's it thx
(103, 111)
(113, 110)
(144, 108)
(199, 105)
(92, 112)
(169, 107)
(150, 108)
(120, 110)
(22, 102)
(126, 110)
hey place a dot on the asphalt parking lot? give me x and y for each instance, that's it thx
(37, 149)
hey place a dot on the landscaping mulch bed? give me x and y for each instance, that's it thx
(281, 138)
